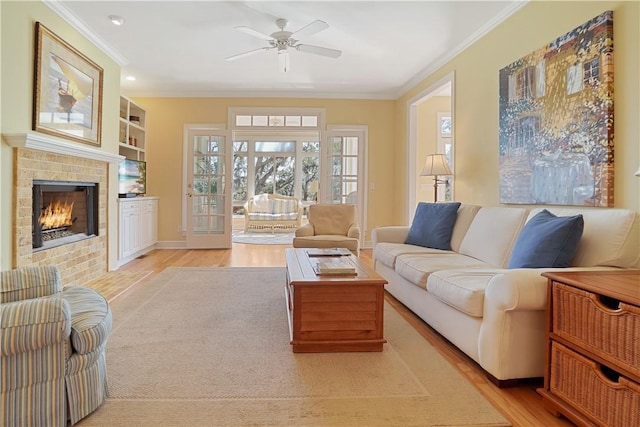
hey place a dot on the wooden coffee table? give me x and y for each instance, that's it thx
(329, 313)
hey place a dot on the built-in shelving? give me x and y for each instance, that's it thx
(132, 135)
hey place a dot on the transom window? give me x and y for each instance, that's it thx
(275, 121)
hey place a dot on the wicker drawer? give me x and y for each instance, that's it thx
(592, 389)
(605, 327)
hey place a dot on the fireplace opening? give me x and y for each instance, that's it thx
(63, 212)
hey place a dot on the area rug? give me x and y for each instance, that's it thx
(210, 347)
(262, 238)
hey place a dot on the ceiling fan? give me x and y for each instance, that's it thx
(284, 40)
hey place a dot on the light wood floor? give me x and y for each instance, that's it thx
(521, 405)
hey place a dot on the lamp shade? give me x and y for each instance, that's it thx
(434, 165)
(638, 171)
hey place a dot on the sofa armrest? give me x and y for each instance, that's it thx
(305, 231)
(91, 318)
(32, 324)
(354, 231)
(390, 234)
(517, 289)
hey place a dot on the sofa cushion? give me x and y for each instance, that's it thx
(492, 234)
(462, 289)
(610, 236)
(261, 203)
(464, 218)
(330, 219)
(417, 267)
(387, 253)
(547, 240)
(432, 225)
(90, 318)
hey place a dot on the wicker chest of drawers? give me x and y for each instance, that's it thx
(592, 372)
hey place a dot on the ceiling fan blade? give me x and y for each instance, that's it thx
(254, 33)
(309, 29)
(317, 50)
(251, 52)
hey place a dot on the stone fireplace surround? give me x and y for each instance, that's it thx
(40, 157)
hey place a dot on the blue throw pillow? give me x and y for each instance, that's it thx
(432, 225)
(547, 241)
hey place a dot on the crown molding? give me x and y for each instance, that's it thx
(260, 94)
(473, 38)
(83, 29)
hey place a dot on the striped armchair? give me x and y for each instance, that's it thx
(52, 348)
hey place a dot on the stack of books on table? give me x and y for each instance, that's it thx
(328, 252)
(336, 267)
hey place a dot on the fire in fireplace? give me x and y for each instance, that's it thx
(63, 212)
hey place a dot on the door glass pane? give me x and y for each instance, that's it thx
(240, 177)
(310, 178)
(350, 165)
(343, 155)
(264, 179)
(208, 184)
(240, 146)
(275, 147)
(285, 175)
(350, 145)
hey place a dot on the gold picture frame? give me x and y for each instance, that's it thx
(67, 90)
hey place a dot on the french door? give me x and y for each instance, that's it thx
(345, 170)
(208, 157)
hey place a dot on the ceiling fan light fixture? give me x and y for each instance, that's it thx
(283, 40)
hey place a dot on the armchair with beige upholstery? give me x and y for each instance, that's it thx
(330, 226)
(52, 348)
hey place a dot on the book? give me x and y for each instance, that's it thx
(328, 252)
(337, 267)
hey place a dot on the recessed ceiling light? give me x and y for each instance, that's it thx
(116, 20)
(130, 78)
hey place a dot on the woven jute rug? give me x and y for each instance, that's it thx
(210, 347)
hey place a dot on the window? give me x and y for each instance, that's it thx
(591, 73)
(276, 121)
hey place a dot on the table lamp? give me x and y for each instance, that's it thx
(436, 165)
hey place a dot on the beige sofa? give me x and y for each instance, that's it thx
(493, 314)
(271, 212)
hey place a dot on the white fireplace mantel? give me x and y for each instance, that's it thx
(43, 142)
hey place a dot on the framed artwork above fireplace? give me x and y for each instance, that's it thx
(67, 90)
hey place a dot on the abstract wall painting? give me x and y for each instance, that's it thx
(556, 121)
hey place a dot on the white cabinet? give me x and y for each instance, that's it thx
(138, 227)
(132, 135)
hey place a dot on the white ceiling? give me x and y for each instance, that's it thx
(177, 48)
